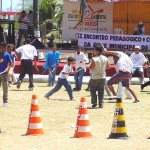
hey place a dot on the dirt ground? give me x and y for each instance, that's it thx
(59, 116)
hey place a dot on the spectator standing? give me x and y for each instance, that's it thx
(98, 65)
(80, 60)
(140, 29)
(62, 80)
(28, 54)
(23, 29)
(138, 60)
(52, 61)
(5, 66)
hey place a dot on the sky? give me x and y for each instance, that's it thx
(16, 5)
(6, 5)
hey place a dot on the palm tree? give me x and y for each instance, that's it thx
(50, 17)
(46, 10)
(51, 9)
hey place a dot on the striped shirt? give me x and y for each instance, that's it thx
(24, 23)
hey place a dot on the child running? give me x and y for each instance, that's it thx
(62, 80)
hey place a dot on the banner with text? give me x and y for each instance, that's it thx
(88, 17)
(114, 41)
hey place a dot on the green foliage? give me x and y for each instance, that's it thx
(46, 10)
(51, 9)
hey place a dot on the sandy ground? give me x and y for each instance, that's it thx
(59, 115)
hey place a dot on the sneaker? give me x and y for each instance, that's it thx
(49, 84)
(142, 87)
(87, 89)
(72, 99)
(94, 105)
(18, 84)
(101, 106)
(30, 89)
(5, 105)
(136, 101)
(75, 89)
(46, 96)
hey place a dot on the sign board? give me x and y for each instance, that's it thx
(89, 17)
(114, 41)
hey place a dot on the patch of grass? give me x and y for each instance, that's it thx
(59, 115)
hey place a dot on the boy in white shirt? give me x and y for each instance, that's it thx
(138, 60)
(62, 80)
(80, 60)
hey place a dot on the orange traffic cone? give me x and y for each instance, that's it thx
(118, 130)
(82, 125)
(34, 124)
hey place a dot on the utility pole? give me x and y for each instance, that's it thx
(11, 6)
(0, 8)
(22, 4)
(36, 14)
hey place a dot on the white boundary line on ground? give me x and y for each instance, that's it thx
(44, 78)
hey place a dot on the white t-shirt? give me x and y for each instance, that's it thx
(27, 51)
(124, 63)
(138, 59)
(80, 57)
(66, 69)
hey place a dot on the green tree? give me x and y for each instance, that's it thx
(46, 10)
(51, 9)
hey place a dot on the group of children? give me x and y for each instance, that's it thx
(98, 65)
